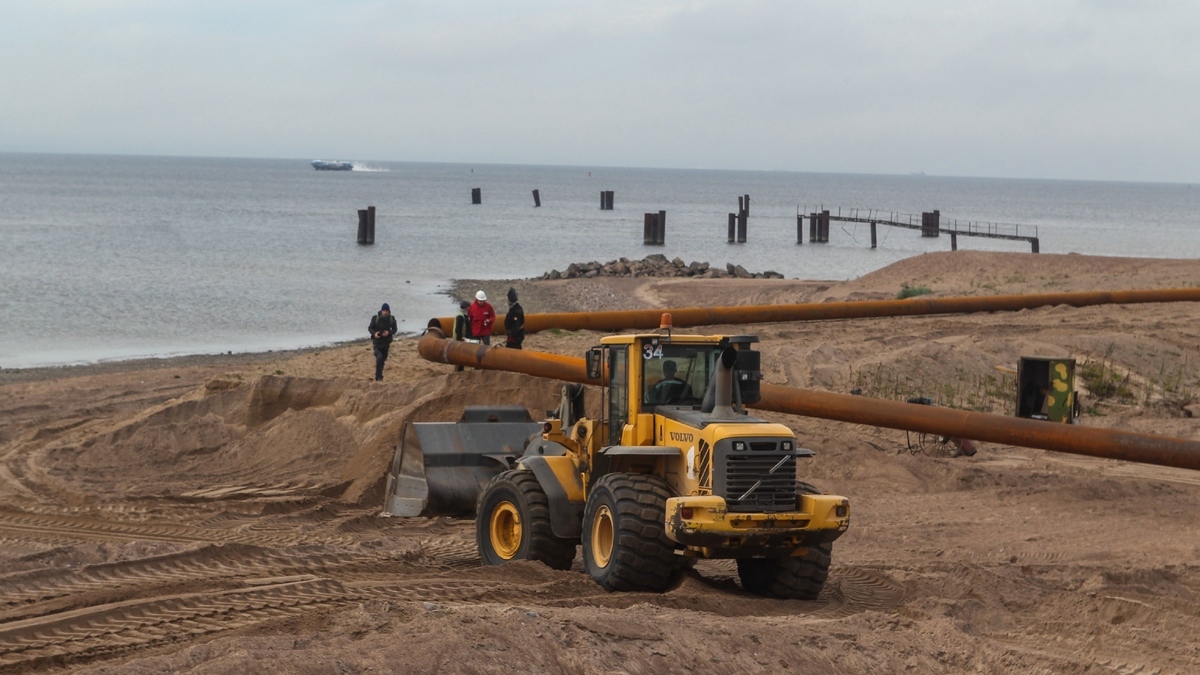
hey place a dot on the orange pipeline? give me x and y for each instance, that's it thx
(1067, 438)
(822, 311)
(434, 346)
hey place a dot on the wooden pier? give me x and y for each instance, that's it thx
(930, 225)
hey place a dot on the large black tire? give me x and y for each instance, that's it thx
(796, 578)
(625, 544)
(512, 522)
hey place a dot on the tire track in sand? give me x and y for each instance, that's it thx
(113, 628)
(62, 529)
(210, 562)
(226, 562)
(853, 590)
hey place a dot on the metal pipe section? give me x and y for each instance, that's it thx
(823, 311)
(1026, 433)
(435, 346)
(1067, 438)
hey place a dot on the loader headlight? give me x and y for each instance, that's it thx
(787, 446)
(841, 510)
(739, 446)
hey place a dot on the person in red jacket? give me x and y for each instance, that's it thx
(482, 317)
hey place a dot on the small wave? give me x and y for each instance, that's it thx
(359, 166)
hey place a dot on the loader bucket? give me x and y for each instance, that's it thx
(441, 467)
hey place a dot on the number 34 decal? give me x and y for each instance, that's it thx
(651, 352)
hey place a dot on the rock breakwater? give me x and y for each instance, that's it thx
(656, 265)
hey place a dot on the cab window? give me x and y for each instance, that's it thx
(675, 374)
(618, 396)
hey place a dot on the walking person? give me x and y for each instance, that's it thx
(382, 329)
(514, 321)
(462, 327)
(482, 317)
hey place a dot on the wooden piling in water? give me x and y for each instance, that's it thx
(732, 228)
(660, 236)
(650, 229)
(930, 223)
(743, 215)
(476, 195)
(606, 200)
(362, 226)
(799, 227)
(537, 199)
(953, 241)
(823, 228)
(873, 240)
(1033, 244)
(370, 224)
(812, 228)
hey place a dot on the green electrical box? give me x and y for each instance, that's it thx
(1046, 389)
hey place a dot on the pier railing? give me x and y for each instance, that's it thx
(929, 223)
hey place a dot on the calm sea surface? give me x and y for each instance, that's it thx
(106, 257)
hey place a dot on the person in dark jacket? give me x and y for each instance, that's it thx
(462, 326)
(382, 330)
(514, 321)
(482, 317)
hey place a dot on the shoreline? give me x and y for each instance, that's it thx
(961, 273)
(454, 289)
(45, 373)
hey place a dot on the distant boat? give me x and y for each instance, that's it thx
(323, 165)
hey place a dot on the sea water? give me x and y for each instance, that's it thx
(111, 257)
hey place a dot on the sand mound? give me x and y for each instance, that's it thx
(274, 436)
(985, 273)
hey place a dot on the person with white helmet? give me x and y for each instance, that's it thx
(482, 317)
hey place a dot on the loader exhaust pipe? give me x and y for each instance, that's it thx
(718, 399)
(613, 321)
(1067, 438)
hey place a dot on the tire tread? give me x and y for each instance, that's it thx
(643, 557)
(543, 546)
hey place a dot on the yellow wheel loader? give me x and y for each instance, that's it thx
(672, 470)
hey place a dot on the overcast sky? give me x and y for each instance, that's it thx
(1088, 89)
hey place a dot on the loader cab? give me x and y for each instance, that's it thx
(675, 374)
(645, 374)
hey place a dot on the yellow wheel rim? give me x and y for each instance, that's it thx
(602, 537)
(505, 530)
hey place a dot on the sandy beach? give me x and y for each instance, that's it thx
(221, 514)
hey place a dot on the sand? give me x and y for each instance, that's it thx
(221, 514)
